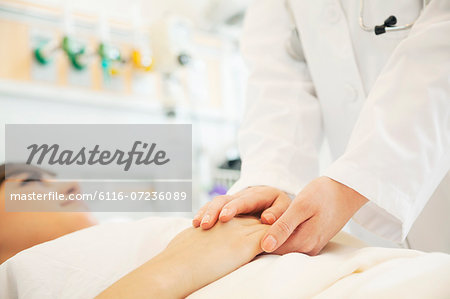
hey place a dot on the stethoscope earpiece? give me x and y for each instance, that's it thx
(389, 22)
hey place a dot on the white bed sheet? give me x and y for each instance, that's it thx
(82, 264)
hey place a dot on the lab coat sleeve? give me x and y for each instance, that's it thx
(281, 129)
(399, 150)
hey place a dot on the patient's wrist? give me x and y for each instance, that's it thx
(160, 277)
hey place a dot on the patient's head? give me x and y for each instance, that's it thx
(21, 230)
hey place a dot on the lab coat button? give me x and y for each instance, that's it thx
(350, 93)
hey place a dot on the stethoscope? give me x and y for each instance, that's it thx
(388, 25)
(294, 47)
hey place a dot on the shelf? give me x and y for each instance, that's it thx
(103, 99)
(48, 92)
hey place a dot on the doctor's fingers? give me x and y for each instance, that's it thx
(281, 230)
(210, 214)
(306, 238)
(246, 203)
(198, 217)
(204, 215)
(217, 201)
(279, 206)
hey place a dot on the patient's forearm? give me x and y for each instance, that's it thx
(193, 259)
(163, 276)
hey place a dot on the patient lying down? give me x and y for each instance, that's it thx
(131, 260)
(183, 267)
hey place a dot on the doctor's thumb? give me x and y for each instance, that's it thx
(277, 234)
(282, 229)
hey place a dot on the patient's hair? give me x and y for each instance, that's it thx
(35, 173)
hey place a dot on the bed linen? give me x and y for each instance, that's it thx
(82, 264)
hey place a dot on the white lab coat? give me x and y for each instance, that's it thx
(383, 103)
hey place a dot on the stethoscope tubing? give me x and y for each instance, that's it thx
(392, 28)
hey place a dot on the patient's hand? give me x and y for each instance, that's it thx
(193, 259)
(223, 249)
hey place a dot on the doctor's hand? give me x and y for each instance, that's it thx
(316, 215)
(268, 200)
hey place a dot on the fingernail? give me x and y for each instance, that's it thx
(270, 218)
(269, 243)
(206, 219)
(225, 212)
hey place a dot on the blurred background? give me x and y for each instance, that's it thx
(130, 62)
